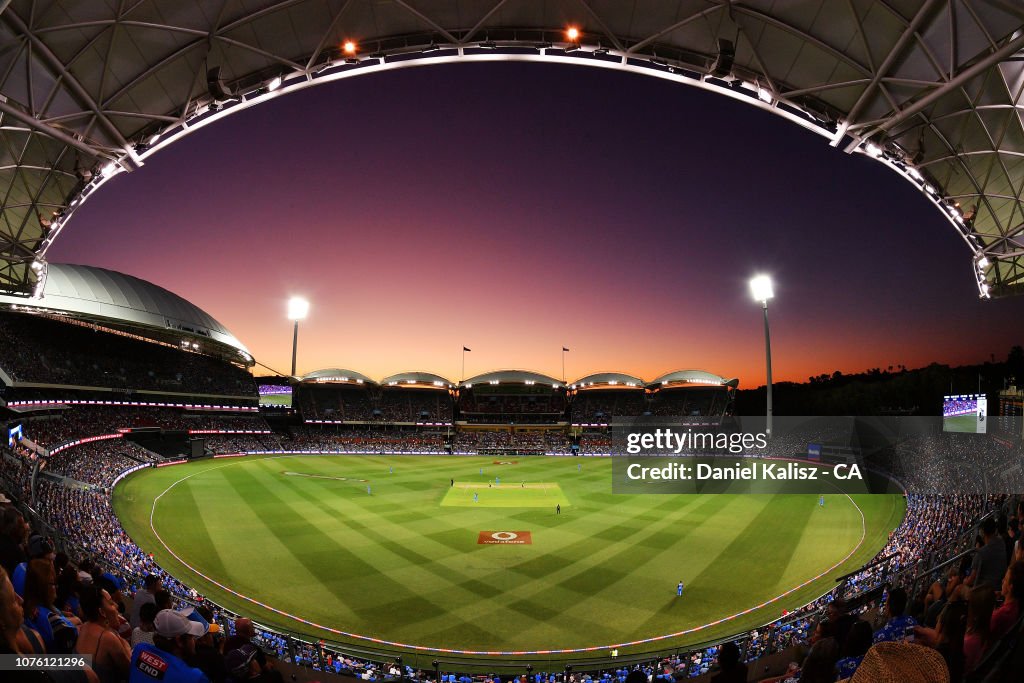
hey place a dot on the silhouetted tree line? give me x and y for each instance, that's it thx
(894, 390)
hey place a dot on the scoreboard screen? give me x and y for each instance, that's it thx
(14, 435)
(275, 395)
(965, 413)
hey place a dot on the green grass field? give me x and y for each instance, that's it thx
(403, 563)
(284, 400)
(960, 423)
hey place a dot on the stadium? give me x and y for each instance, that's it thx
(338, 524)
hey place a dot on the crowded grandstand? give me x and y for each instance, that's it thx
(84, 422)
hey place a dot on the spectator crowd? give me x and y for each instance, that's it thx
(36, 348)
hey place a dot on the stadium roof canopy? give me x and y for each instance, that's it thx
(126, 302)
(421, 379)
(930, 88)
(609, 379)
(693, 377)
(513, 377)
(337, 376)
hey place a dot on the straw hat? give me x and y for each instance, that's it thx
(901, 662)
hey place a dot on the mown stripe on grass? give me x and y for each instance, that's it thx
(334, 566)
(581, 573)
(759, 556)
(191, 523)
(404, 565)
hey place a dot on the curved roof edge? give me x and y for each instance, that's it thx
(100, 295)
(609, 379)
(694, 377)
(513, 377)
(338, 375)
(422, 379)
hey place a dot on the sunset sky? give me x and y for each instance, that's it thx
(516, 209)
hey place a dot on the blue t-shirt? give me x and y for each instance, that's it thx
(58, 633)
(18, 579)
(847, 666)
(149, 663)
(894, 630)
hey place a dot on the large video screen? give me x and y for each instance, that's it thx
(275, 395)
(966, 413)
(14, 435)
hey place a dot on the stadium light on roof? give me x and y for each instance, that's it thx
(572, 33)
(274, 83)
(349, 47)
(761, 288)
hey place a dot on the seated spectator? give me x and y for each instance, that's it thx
(990, 561)
(59, 633)
(13, 535)
(244, 634)
(98, 636)
(143, 633)
(822, 633)
(1013, 597)
(948, 637)
(980, 603)
(208, 657)
(243, 666)
(858, 641)
(241, 663)
(731, 669)
(897, 622)
(939, 594)
(36, 549)
(164, 660)
(150, 585)
(841, 620)
(67, 589)
(820, 664)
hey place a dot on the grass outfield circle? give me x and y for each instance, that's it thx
(418, 561)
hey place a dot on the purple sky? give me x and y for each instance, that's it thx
(517, 208)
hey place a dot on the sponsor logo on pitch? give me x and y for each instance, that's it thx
(505, 538)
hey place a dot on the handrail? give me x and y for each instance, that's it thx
(948, 562)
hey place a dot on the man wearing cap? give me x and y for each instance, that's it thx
(164, 661)
(38, 548)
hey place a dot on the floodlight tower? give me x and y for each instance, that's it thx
(761, 289)
(298, 308)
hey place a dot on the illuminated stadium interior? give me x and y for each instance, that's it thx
(83, 434)
(419, 527)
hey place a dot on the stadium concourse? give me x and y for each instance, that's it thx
(97, 396)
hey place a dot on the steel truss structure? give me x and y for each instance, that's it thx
(934, 89)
